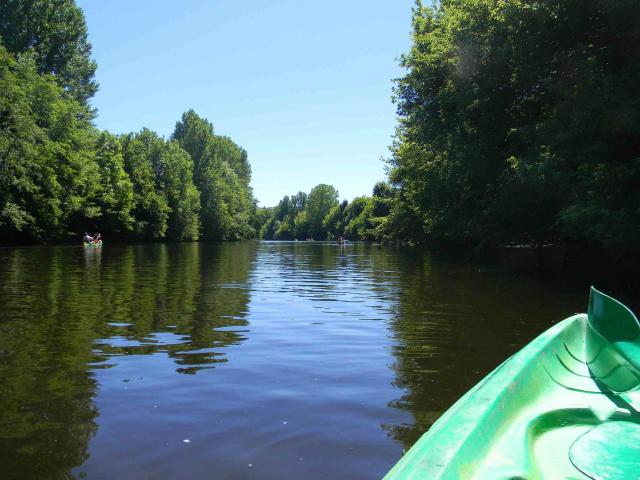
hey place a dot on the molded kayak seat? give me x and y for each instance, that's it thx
(565, 406)
(592, 453)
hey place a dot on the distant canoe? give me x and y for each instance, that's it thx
(565, 406)
(93, 244)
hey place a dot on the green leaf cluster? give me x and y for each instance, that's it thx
(60, 176)
(301, 216)
(49, 178)
(221, 174)
(165, 200)
(55, 33)
(519, 121)
(320, 216)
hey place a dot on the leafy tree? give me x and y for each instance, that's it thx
(321, 200)
(167, 201)
(151, 209)
(356, 218)
(24, 200)
(173, 170)
(379, 211)
(222, 175)
(301, 225)
(283, 208)
(114, 197)
(47, 171)
(299, 202)
(234, 156)
(260, 218)
(268, 228)
(59, 176)
(285, 229)
(285, 220)
(56, 32)
(362, 219)
(332, 222)
(519, 122)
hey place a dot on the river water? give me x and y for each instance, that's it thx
(245, 360)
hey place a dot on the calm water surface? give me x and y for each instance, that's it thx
(244, 360)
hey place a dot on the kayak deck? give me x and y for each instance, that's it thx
(541, 414)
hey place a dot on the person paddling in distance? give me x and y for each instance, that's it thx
(87, 238)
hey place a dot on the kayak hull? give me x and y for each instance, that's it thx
(541, 414)
(92, 245)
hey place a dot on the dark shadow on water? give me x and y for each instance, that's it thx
(454, 322)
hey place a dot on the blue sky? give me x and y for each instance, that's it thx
(304, 87)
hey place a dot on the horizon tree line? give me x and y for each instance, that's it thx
(518, 123)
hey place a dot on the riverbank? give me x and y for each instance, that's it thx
(574, 265)
(577, 265)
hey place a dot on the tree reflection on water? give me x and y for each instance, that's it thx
(66, 312)
(453, 323)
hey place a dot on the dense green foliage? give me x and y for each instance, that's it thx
(60, 176)
(54, 31)
(279, 223)
(319, 216)
(520, 121)
(301, 216)
(49, 179)
(222, 174)
(166, 202)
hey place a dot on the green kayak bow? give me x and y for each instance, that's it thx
(564, 407)
(92, 244)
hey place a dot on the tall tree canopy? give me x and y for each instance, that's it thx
(165, 197)
(60, 176)
(48, 176)
(319, 215)
(115, 197)
(520, 120)
(56, 32)
(322, 199)
(222, 175)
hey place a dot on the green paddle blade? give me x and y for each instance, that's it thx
(613, 343)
